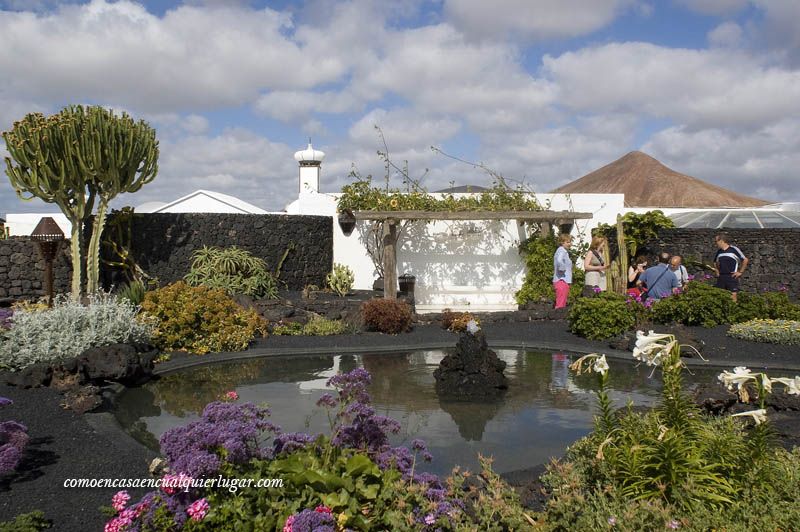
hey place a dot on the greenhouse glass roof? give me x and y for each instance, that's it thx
(737, 219)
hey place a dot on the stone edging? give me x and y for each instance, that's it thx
(183, 363)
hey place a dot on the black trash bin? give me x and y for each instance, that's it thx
(407, 282)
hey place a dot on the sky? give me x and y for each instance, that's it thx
(540, 91)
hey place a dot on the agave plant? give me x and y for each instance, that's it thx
(234, 270)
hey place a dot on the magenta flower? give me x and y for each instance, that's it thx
(690, 277)
(706, 276)
(173, 483)
(198, 509)
(288, 526)
(120, 500)
(230, 396)
(596, 289)
(322, 509)
(430, 519)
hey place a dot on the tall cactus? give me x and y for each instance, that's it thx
(74, 158)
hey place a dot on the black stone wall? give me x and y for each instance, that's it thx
(774, 253)
(22, 269)
(163, 243)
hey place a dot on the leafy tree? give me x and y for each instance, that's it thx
(75, 158)
(639, 229)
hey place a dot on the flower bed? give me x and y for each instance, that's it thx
(784, 332)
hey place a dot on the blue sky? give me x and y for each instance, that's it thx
(540, 90)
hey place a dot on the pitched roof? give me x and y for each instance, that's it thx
(648, 183)
(226, 202)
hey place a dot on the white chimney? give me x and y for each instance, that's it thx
(310, 161)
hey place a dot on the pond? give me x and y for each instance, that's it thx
(545, 408)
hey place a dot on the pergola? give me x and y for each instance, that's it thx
(390, 219)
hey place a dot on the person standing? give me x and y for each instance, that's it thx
(677, 267)
(562, 271)
(730, 263)
(659, 279)
(635, 271)
(595, 265)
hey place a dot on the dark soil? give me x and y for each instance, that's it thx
(65, 445)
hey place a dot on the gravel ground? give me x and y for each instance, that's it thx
(65, 445)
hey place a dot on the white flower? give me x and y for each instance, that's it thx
(792, 385)
(650, 348)
(766, 383)
(739, 377)
(473, 327)
(600, 365)
(759, 416)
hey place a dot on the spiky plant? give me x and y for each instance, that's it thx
(77, 157)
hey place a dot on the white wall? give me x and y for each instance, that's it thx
(459, 265)
(24, 224)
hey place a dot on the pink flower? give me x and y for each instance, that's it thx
(612, 520)
(173, 483)
(322, 509)
(690, 277)
(198, 509)
(115, 525)
(288, 526)
(430, 519)
(597, 289)
(673, 524)
(230, 396)
(120, 500)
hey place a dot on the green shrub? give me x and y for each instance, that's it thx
(30, 522)
(232, 270)
(390, 316)
(69, 328)
(133, 292)
(537, 253)
(200, 319)
(602, 316)
(457, 321)
(698, 304)
(770, 331)
(673, 467)
(780, 308)
(316, 326)
(749, 307)
(340, 280)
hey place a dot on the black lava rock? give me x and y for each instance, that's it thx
(116, 362)
(472, 371)
(33, 376)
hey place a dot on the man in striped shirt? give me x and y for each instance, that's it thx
(730, 263)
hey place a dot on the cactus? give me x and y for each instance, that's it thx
(74, 158)
(341, 279)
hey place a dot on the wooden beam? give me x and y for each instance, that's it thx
(535, 216)
(390, 259)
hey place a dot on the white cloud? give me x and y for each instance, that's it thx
(727, 34)
(534, 19)
(715, 7)
(762, 163)
(700, 88)
(291, 105)
(193, 57)
(237, 162)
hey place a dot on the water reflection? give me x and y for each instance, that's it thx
(545, 409)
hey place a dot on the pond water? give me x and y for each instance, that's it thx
(545, 408)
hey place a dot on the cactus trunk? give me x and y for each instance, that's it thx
(75, 249)
(93, 253)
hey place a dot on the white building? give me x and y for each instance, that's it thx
(459, 265)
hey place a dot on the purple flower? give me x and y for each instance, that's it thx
(5, 401)
(193, 449)
(327, 400)
(612, 521)
(13, 440)
(597, 289)
(418, 445)
(690, 277)
(430, 519)
(288, 442)
(311, 521)
(673, 524)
